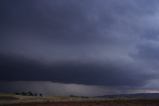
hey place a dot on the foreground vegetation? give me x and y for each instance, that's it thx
(18, 100)
(93, 103)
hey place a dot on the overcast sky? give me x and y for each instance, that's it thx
(111, 43)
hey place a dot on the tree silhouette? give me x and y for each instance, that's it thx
(40, 94)
(30, 93)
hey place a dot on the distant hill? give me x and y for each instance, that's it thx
(132, 96)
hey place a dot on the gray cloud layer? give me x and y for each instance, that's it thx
(99, 42)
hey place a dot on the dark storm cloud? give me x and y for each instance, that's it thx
(74, 41)
(149, 51)
(60, 21)
(110, 74)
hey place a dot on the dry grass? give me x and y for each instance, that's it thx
(17, 100)
(95, 103)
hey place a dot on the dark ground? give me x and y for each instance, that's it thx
(96, 103)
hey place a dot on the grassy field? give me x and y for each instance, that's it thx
(93, 103)
(17, 100)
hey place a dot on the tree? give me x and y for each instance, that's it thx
(24, 93)
(30, 93)
(40, 94)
